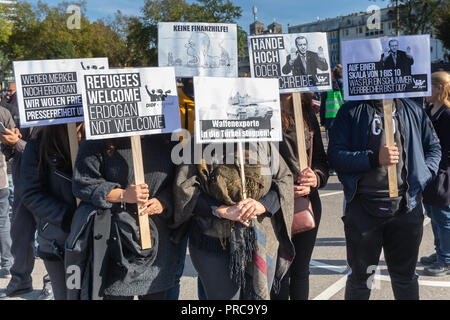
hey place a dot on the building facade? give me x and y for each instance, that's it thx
(362, 25)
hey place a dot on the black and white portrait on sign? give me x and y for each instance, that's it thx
(236, 110)
(302, 61)
(299, 61)
(396, 67)
(393, 58)
(198, 49)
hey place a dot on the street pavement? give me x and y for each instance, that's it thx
(328, 265)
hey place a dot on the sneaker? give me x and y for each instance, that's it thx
(438, 269)
(46, 294)
(14, 291)
(5, 274)
(428, 261)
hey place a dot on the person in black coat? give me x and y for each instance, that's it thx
(308, 182)
(437, 194)
(47, 193)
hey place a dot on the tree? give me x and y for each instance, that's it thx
(443, 27)
(5, 23)
(419, 16)
(41, 32)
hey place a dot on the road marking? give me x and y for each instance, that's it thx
(421, 282)
(332, 290)
(331, 194)
(327, 266)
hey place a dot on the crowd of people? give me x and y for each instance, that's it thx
(239, 237)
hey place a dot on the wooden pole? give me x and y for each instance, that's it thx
(390, 142)
(139, 178)
(300, 130)
(242, 162)
(72, 133)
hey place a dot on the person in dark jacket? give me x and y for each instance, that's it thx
(23, 226)
(47, 193)
(437, 194)
(104, 179)
(374, 221)
(296, 284)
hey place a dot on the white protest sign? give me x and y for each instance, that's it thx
(198, 49)
(237, 110)
(382, 68)
(47, 91)
(130, 102)
(300, 61)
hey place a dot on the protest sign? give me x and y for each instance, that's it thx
(47, 91)
(397, 67)
(198, 49)
(130, 102)
(299, 61)
(237, 110)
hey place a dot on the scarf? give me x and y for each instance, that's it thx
(251, 248)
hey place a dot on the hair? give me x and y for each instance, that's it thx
(442, 78)
(287, 111)
(337, 72)
(389, 43)
(300, 37)
(54, 141)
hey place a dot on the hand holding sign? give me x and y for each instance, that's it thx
(136, 194)
(388, 155)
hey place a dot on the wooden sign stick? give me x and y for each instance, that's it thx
(300, 130)
(242, 162)
(72, 133)
(139, 178)
(390, 142)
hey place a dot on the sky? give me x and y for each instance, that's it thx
(284, 12)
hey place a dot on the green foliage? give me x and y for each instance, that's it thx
(41, 32)
(443, 27)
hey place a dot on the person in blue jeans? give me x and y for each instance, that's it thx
(437, 193)
(5, 237)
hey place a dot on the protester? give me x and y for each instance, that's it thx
(23, 226)
(5, 224)
(437, 194)
(180, 237)
(373, 221)
(225, 249)
(332, 100)
(296, 284)
(104, 181)
(47, 193)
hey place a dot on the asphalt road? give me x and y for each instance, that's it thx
(328, 265)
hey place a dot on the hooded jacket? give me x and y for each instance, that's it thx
(348, 149)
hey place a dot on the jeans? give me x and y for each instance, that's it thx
(399, 236)
(11, 190)
(440, 222)
(5, 229)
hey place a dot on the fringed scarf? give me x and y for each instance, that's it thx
(251, 248)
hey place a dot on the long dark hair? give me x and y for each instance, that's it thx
(287, 111)
(54, 142)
